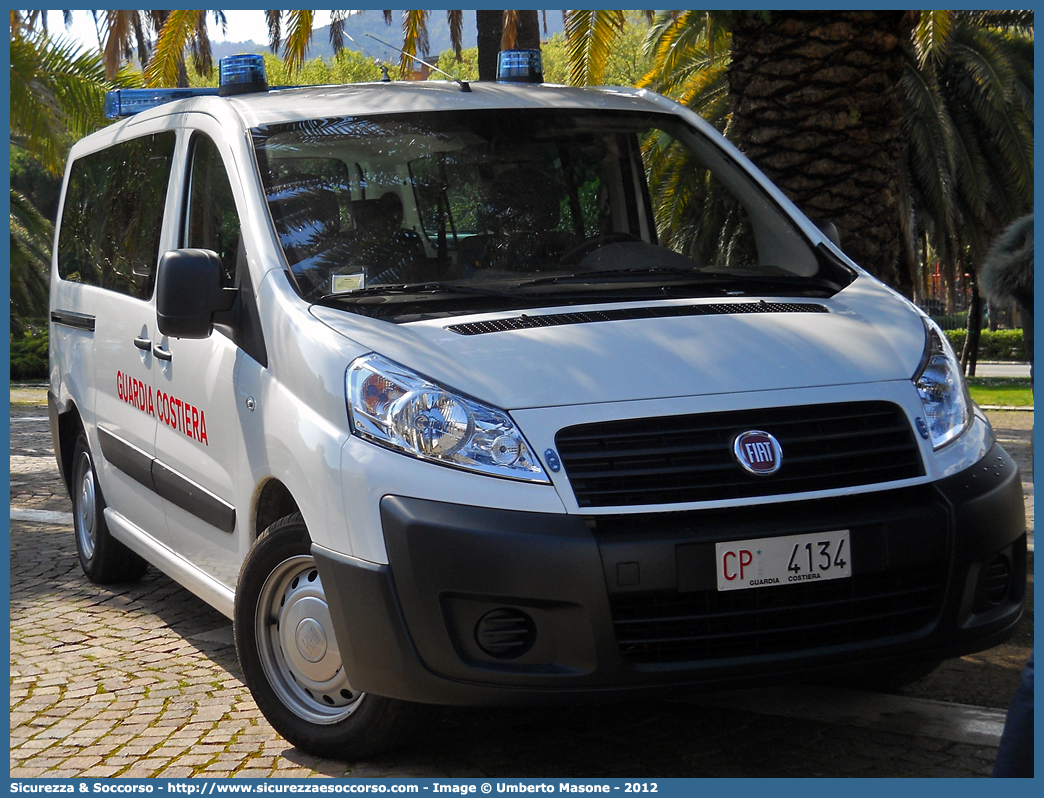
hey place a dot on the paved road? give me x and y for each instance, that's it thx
(1002, 370)
(142, 680)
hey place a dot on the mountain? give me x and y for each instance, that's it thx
(372, 22)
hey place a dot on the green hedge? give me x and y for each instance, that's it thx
(29, 355)
(993, 345)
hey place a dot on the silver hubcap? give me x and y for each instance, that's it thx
(86, 533)
(297, 645)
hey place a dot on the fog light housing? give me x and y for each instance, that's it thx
(995, 580)
(505, 633)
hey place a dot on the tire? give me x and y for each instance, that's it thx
(298, 681)
(103, 558)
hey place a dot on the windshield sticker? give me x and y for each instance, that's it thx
(176, 413)
(339, 283)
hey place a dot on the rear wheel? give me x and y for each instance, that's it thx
(291, 660)
(103, 558)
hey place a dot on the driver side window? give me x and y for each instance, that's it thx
(212, 221)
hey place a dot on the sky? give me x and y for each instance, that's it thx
(242, 26)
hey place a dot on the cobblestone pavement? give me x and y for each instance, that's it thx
(142, 680)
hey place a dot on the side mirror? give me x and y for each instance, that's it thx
(830, 230)
(189, 293)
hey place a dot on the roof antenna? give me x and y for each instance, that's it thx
(385, 77)
(462, 83)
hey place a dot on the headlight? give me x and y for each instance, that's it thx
(944, 396)
(391, 406)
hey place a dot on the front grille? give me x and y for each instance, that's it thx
(527, 322)
(689, 458)
(668, 626)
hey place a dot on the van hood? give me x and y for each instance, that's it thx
(869, 334)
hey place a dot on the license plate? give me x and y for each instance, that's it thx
(791, 560)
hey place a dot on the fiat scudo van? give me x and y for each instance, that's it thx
(502, 394)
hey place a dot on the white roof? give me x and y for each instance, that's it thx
(361, 99)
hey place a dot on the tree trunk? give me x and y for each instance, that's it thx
(527, 31)
(815, 106)
(970, 355)
(490, 26)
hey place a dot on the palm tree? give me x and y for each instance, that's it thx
(30, 258)
(968, 164)
(57, 93)
(848, 112)
(292, 31)
(690, 53)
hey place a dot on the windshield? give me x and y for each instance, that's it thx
(456, 211)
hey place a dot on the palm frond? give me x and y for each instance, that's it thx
(119, 27)
(1010, 20)
(510, 30)
(274, 19)
(56, 89)
(456, 26)
(931, 36)
(337, 19)
(199, 46)
(984, 87)
(298, 37)
(414, 38)
(684, 66)
(165, 66)
(589, 38)
(968, 128)
(30, 259)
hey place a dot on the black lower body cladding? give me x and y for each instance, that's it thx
(486, 607)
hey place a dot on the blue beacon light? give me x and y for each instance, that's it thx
(239, 74)
(520, 66)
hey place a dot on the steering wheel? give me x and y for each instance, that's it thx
(589, 245)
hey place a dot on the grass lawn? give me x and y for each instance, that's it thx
(1010, 391)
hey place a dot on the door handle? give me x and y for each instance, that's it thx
(161, 354)
(143, 343)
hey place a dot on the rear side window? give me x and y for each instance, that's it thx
(113, 215)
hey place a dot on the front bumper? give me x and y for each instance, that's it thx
(482, 606)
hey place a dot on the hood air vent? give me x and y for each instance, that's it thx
(526, 322)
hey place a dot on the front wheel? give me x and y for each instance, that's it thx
(291, 661)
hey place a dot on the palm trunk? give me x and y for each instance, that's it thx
(815, 106)
(490, 28)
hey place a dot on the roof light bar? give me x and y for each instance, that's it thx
(127, 102)
(239, 74)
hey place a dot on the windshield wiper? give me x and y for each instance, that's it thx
(633, 271)
(717, 280)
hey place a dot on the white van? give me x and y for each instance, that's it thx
(503, 394)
